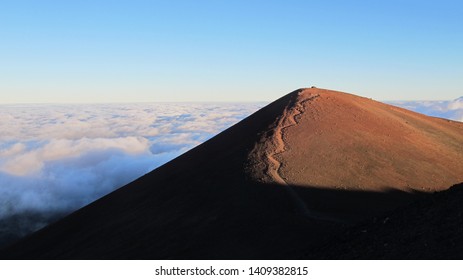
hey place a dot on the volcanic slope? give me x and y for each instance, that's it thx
(295, 171)
(429, 228)
(327, 140)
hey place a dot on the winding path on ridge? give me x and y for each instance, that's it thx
(288, 119)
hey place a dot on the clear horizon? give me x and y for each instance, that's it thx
(64, 103)
(240, 51)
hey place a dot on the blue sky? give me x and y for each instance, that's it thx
(137, 51)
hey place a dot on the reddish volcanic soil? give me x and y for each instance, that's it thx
(337, 140)
(333, 140)
(289, 176)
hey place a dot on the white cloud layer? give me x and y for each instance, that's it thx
(452, 110)
(58, 158)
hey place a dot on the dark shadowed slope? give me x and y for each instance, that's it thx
(291, 174)
(431, 228)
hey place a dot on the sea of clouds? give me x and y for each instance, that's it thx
(452, 110)
(57, 158)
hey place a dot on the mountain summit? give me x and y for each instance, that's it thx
(332, 139)
(292, 174)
